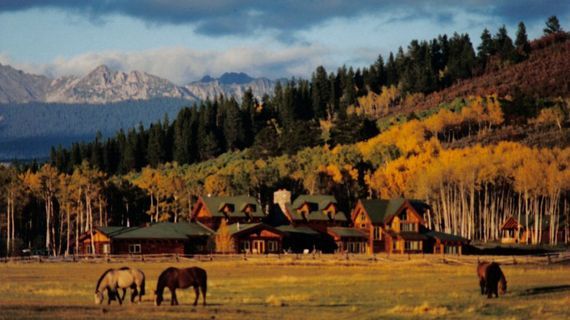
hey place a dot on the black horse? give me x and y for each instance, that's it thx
(174, 278)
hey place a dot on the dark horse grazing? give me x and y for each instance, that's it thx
(491, 279)
(174, 278)
(114, 279)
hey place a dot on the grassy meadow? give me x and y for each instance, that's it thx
(279, 289)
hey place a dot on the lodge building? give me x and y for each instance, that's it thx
(310, 223)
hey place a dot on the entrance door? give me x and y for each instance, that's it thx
(258, 246)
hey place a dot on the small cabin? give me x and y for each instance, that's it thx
(512, 232)
(102, 240)
(210, 211)
(254, 238)
(164, 237)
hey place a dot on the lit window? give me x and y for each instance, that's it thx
(134, 248)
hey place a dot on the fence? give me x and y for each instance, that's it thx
(316, 258)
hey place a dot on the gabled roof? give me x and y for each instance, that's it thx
(298, 230)
(382, 210)
(510, 223)
(167, 231)
(113, 230)
(445, 237)
(238, 228)
(317, 203)
(237, 203)
(321, 201)
(343, 232)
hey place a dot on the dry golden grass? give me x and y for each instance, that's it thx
(260, 289)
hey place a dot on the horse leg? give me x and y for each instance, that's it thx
(204, 288)
(197, 292)
(134, 293)
(119, 297)
(109, 296)
(482, 285)
(173, 299)
(124, 294)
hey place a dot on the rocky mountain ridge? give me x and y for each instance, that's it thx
(103, 85)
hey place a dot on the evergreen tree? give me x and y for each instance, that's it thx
(320, 92)
(552, 26)
(391, 71)
(486, 47)
(503, 44)
(521, 42)
(233, 126)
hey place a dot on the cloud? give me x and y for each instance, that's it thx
(183, 65)
(246, 17)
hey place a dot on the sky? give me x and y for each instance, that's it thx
(184, 40)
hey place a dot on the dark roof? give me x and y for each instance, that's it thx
(298, 230)
(343, 232)
(408, 235)
(317, 203)
(113, 230)
(237, 203)
(166, 230)
(240, 227)
(382, 210)
(445, 237)
(510, 223)
(237, 228)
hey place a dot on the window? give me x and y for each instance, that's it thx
(106, 248)
(272, 246)
(244, 246)
(89, 249)
(377, 233)
(413, 245)
(134, 248)
(404, 215)
(404, 226)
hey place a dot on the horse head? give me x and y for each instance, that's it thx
(157, 298)
(99, 297)
(503, 285)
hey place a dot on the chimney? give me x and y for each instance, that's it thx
(281, 198)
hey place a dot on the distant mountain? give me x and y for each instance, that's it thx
(230, 84)
(19, 87)
(103, 85)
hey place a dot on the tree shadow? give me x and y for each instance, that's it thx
(543, 290)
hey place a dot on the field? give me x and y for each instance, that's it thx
(279, 289)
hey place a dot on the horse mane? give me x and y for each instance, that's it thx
(101, 278)
(125, 268)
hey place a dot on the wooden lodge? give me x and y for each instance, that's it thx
(164, 237)
(210, 211)
(255, 238)
(398, 226)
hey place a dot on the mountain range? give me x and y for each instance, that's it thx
(103, 85)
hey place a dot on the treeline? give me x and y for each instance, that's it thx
(301, 113)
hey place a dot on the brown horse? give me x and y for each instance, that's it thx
(174, 278)
(491, 279)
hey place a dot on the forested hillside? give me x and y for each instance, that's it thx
(464, 130)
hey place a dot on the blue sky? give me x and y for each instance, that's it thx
(184, 40)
